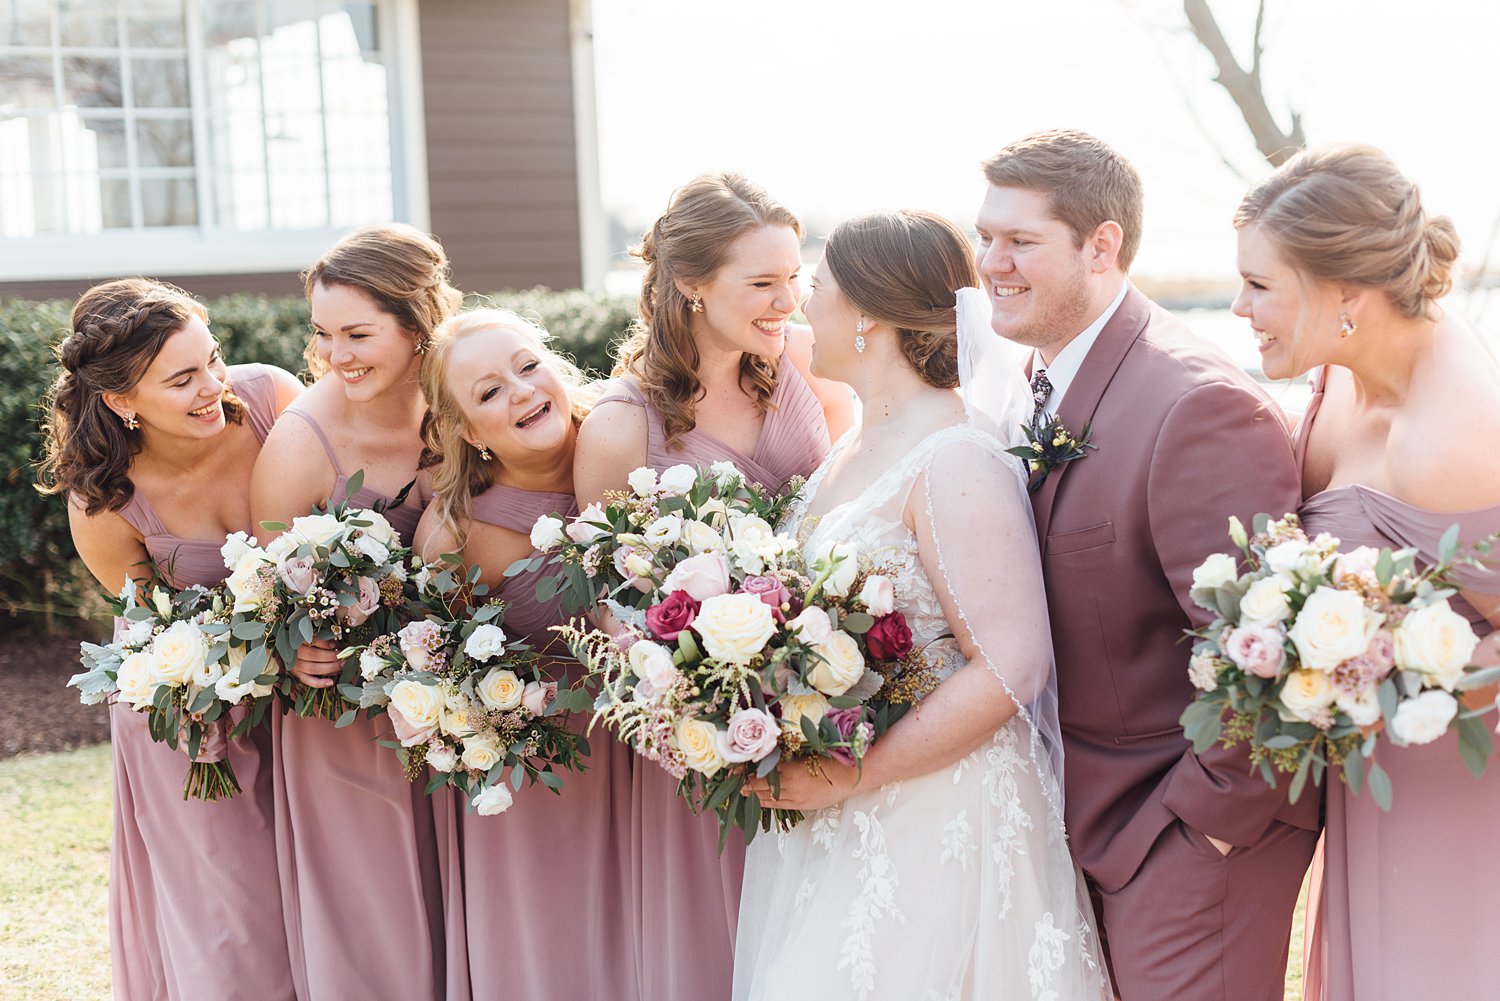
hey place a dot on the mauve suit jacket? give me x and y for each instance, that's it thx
(1184, 440)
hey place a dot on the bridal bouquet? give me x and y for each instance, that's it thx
(180, 659)
(1312, 648)
(625, 548)
(463, 697)
(336, 576)
(742, 656)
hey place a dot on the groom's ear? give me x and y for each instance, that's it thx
(1102, 247)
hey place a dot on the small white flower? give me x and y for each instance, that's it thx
(726, 474)
(642, 481)
(370, 664)
(664, 531)
(1423, 719)
(1216, 571)
(485, 641)
(1363, 709)
(678, 479)
(372, 547)
(547, 533)
(493, 799)
(582, 530)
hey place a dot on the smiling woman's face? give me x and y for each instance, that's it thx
(513, 400)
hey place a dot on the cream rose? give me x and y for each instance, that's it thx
(133, 679)
(1306, 694)
(734, 627)
(653, 662)
(703, 576)
(1423, 719)
(235, 546)
(493, 799)
(419, 704)
(1288, 559)
(441, 758)
(318, 529)
(378, 528)
(481, 753)
(678, 479)
(1216, 571)
(1332, 627)
(1265, 603)
(699, 742)
(642, 481)
(548, 533)
(795, 708)
(842, 665)
(700, 538)
(180, 651)
(484, 642)
(500, 689)
(1437, 643)
(244, 581)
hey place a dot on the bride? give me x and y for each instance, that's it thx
(942, 870)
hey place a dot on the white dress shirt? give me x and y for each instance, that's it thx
(1069, 360)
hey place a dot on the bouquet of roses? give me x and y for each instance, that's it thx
(744, 656)
(1311, 648)
(336, 576)
(463, 697)
(180, 659)
(625, 548)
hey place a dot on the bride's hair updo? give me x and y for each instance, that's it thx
(902, 269)
(404, 271)
(118, 330)
(1346, 215)
(689, 243)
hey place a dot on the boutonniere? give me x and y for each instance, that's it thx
(1049, 445)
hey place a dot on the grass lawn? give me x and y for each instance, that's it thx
(54, 875)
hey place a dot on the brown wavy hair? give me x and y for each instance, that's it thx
(902, 269)
(405, 272)
(1345, 214)
(118, 330)
(689, 243)
(461, 475)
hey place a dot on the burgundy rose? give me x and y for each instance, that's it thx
(672, 615)
(889, 638)
(771, 591)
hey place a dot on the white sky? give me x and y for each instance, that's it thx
(841, 106)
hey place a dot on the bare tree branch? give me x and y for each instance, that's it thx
(1244, 86)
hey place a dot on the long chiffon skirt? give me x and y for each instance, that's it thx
(194, 904)
(356, 847)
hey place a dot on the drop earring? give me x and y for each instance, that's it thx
(859, 336)
(1347, 327)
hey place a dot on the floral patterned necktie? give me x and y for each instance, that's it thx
(1041, 388)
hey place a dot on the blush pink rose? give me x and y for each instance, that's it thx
(365, 603)
(671, 616)
(814, 626)
(298, 574)
(409, 735)
(751, 736)
(538, 695)
(1256, 650)
(1381, 653)
(703, 576)
(771, 591)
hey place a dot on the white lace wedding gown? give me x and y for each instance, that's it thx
(957, 884)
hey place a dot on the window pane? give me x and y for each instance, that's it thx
(26, 81)
(25, 22)
(241, 199)
(362, 25)
(92, 82)
(109, 143)
(86, 23)
(114, 204)
(154, 24)
(169, 202)
(159, 83)
(227, 20)
(164, 142)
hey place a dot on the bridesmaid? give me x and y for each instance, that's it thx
(152, 439)
(714, 371)
(505, 411)
(1342, 271)
(355, 839)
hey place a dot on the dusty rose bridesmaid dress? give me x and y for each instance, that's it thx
(194, 905)
(1408, 903)
(536, 896)
(356, 844)
(687, 895)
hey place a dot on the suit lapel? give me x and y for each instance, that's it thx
(1087, 389)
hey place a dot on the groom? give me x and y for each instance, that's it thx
(1193, 862)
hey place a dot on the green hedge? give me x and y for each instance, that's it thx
(41, 580)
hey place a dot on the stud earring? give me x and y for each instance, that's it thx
(859, 336)
(485, 454)
(1347, 327)
(696, 304)
(131, 422)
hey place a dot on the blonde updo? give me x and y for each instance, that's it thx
(1345, 215)
(902, 269)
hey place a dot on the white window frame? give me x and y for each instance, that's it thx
(205, 250)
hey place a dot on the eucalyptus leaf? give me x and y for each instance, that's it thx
(1380, 786)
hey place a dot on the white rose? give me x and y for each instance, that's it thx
(441, 758)
(1359, 564)
(1288, 559)
(136, 633)
(1332, 627)
(837, 559)
(1363, 709)
(421, 705)
(228, 689)
(653, 662)
(1307, 693)
(244, 581)
(372, 547)
(133, 679)
(699, 742)
(1423, 719)
(318, 529)
(814, 625)
(726, 474)
(664, 531)
(583, 533)
(734, 627)
(842, 665)
(1265, 602)
(547, 533)
(281, 547)
(181, 652)
(485, 641)
(236, 546)
(678, 479)
(481, 753)
(378, 528)
(493, 799)
(700, 538)
(370, 664)
(1216, 571)
(455, 718)
(713, 511)
(642, 481)
(794, 708)
(878, 595)
(500, 689)
(1437, 643)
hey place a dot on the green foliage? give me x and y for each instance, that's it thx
(40, 576)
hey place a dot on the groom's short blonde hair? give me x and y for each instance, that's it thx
(1088, 182)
